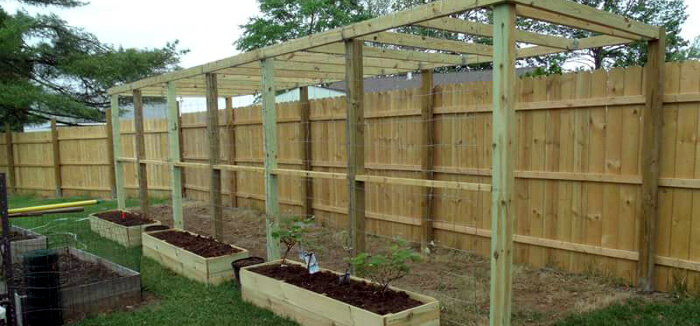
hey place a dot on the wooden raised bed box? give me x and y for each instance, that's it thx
(128, 236)
(79, 301)
(208, 270)
(20, 247)
(309, 308)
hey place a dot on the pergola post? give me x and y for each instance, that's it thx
(269, 118)
(503, 166)
(174, 155)
(215, 203)
(355, 129)
(117, 149)
(141, 153)
(110, 152)
(651, 138)
(56, 150)
(426, 156)
(305, 143)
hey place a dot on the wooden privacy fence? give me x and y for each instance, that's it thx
(579, 143)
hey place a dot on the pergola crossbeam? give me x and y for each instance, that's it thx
(478, 29)
(430, 43)
(420, 13)
(574, 22)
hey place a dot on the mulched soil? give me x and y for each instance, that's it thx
(73, 272)
(202, 246)
(359, 294)
(125, 219)
(458, 279)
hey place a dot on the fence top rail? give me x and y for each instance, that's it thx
(319, 58)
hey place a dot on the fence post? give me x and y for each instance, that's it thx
(141, 153)
(305, 142)
(231, 128)
(503, 166)
(269, 118)
(427, 153)
(56, 149)
(117, 150)
(174, 156)
(651, 139)
(355, 128)
(215, 204)
(12, 187)
(110, 152)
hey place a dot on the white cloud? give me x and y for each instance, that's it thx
(208, 28)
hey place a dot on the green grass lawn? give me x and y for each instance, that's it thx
(172, 300)
(639, 313)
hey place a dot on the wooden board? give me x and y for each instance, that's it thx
(127, 236)
(311, 309)
(211, 271)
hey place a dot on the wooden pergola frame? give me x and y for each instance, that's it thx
(347, 54)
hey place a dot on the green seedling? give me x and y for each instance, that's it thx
(293, 232)
(385, 269)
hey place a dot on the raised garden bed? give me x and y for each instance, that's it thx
(89, 284)
(124, 229)
(193, 256)
(24, 241)
(318, 299)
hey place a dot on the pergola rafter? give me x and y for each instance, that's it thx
(344, 54)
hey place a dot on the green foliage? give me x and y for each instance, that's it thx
(385, 269)
(293, 232)
(668, 13)
(284, 20)
(48, 68)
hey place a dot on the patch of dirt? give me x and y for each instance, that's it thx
(73, 272)
(202, 246)
(359, 294)
(458, 279)
(154, 228)
(124, 218)
(16, 236)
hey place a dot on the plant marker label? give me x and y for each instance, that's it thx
(311, 263)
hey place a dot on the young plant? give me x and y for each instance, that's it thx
(293, 232)
(385, 269)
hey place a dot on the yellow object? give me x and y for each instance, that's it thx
(53, 206)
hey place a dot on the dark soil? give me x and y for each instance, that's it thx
(124, 218)
(359, 294)
(16, 236)
(73, 272)
(245, 262)
(154, 228)
(202, 246)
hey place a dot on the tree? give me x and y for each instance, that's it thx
(284, 20)
(50, 69)
(669, 13)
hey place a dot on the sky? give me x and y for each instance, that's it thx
(208, 29)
